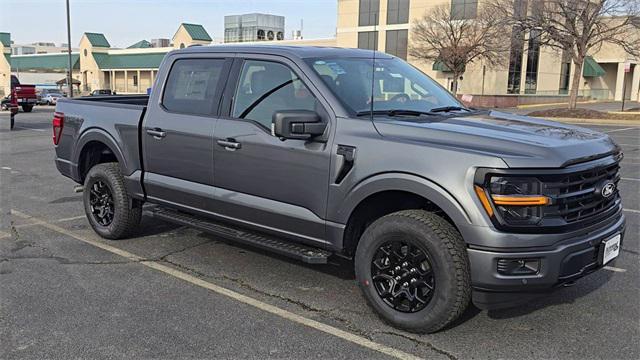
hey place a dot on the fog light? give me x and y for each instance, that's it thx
(518, 266)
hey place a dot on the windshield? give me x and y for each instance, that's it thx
(396, 85)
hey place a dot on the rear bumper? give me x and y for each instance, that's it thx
(68, 169)
(569, 260)
(29, 101)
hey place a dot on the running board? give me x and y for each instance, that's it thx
(293, 250)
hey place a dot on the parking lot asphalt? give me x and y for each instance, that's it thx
(174, 292)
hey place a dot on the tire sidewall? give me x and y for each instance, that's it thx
(98, 173)
(419, 234)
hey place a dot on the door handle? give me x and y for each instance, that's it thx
(157, 133)
(229, 144)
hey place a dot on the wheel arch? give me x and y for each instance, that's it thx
(386, 193)
(95, 147)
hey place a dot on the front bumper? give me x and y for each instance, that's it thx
(563, 263)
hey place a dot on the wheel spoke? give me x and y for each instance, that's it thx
(101, 203)
(402, 275)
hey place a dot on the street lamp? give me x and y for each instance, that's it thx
(70, 72)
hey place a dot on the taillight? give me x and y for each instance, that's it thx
(58, 124)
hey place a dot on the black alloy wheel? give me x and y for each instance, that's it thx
(403, 276)
(101, 202)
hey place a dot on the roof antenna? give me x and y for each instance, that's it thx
(373, 63)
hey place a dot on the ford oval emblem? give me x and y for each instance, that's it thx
(608, 189)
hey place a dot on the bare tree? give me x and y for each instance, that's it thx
(576, 27)
(456, 43)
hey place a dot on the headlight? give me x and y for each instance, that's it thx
(513, 200)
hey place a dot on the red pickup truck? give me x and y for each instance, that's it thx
(24, 95)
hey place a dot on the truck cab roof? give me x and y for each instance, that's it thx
(301, 52)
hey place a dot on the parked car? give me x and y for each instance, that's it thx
(25, 94)
(51, 98)
(5, 103)
(42, 93)
(296, 150)
(102, 92)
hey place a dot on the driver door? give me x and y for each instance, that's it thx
(263, 181)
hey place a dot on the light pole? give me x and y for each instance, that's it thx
(70, 72)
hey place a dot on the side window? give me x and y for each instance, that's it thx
(191, 86)
(266, 87)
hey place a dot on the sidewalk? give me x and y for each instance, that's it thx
(608, 106)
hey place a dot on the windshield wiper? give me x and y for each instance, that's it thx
(394, 112)
(448, 109)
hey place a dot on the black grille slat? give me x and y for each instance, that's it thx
(575, 196)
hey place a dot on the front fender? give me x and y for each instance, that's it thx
(404, 182)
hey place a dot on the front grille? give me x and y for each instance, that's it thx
(577, 196)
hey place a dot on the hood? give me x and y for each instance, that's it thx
(520, 141)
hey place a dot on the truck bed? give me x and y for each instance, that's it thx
(117, 99)
(112, 120)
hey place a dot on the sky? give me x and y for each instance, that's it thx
(127, 22)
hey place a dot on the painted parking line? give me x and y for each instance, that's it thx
(4, 235)
(274, 310)
(72, 218)
(22, 226)
(614, 269)
(629, 179)
(633, 211)
(28, 128)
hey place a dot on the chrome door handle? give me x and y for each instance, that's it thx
(229, 144)
(156, 133)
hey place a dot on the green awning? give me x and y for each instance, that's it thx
(592, 68)
(128, 61)
(8, 57)
(440, 66)
(44, 62)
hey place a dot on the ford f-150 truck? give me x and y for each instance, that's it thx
(25, 95)
(313, 152)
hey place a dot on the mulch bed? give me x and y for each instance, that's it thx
(583, 114)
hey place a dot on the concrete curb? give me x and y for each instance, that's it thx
(634, 122)
(531, 106)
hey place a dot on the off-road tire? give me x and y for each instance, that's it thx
(447, 253)
(127, 211)
(27, 108)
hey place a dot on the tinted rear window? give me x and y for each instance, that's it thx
(191, 86)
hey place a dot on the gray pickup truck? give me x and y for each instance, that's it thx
(316, 152)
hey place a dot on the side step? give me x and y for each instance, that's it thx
(300, 252)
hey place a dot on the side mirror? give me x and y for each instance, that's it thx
(297, 124)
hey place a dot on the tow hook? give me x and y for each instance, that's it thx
(569, 284)
(78, 188)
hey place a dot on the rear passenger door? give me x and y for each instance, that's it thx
(177, 134)
(261, 180)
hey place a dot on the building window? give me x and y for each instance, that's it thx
(515, 61)
(397, 11)
(533, 59)
(565, 73)
(368, 40)
(369, 12)
(397, 42)
(464, 9)
(135, 80)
